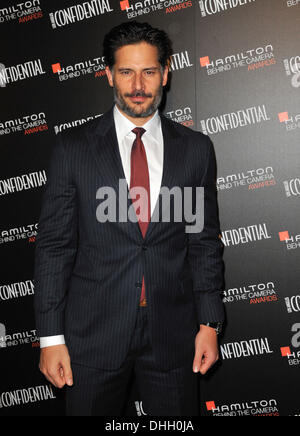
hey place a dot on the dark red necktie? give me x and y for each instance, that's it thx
(140, 177)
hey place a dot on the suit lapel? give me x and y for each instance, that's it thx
(107, 157)
(172, 163)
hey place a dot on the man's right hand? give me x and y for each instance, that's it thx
(55, 364)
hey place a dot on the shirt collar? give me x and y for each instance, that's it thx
(124, 126)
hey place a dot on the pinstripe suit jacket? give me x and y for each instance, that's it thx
(88, 274)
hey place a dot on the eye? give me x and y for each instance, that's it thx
(125, 72)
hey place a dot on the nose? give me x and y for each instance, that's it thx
(138, 82)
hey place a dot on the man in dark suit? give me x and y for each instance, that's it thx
(121, 296)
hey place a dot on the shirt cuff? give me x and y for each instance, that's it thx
(50, 341)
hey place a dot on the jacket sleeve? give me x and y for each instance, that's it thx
(205, 250)
(56, 243)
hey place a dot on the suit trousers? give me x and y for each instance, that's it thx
(98, 392)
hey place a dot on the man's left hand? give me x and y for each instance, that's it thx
(206, 349)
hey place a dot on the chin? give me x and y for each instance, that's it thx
(139, 111)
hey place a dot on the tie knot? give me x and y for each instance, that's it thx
(139, 131)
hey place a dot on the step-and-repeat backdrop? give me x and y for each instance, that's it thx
(235, 75)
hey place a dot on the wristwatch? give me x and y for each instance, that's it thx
(217, 326)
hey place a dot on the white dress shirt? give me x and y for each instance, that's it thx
(154, 147)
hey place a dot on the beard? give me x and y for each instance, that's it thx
(134, 111)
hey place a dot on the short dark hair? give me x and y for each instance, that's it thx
(133, 32)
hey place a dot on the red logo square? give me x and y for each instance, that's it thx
(285, 351)
(210, 405)
(284, 235)
(124, 4)
(56, 68)
(283, 116)
(204, 61)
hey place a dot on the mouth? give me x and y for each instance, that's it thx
(138, 99)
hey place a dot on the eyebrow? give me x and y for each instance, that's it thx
(144, 69)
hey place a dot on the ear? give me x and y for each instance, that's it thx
(165, 75)
(109, 76)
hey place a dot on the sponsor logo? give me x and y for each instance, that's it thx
(182, 116)
(71, 124)
(211, 7)
(177, 5)
(2, 336)
(22, 12)
(291, 3)
(23, 182)
(291, 242)
(2, 74)
(293, 303)
(251, 59)
(292, 187)
(25, 396)
(19, 338)
(16, 290)
(249, 348)
(20, 72)
(139, 408)
(291, 122)
(94, 66)
(19, 233)
(144, 7)
(234, 120)
(245, 235)
(253, 179)
(252, 294)
(249, 408)
(180, 61)
(28, 124)
(292, 352)
(80, 12)
(292, 68)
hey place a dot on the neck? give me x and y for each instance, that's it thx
(138, 121)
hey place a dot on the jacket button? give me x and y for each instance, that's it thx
(144, 247)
